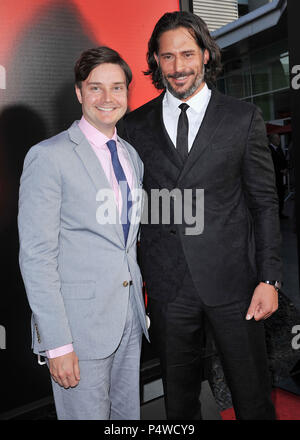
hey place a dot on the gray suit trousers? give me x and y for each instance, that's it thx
(108, 388)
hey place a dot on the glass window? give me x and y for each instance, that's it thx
(270, 67)
(279, 79)
(221, 85)
(237, 84)
(261, 79)
(265, 103)
(282, 105)
(285, 62)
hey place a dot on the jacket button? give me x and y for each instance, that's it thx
(173, 231)
(125, 283)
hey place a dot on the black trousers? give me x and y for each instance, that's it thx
(280, 192)
(177, 332)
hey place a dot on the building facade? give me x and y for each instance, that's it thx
(255, 59)
(216, 13)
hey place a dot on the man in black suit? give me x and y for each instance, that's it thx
(280, 167)
(229, 272)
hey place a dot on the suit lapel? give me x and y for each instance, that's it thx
(136, 185)
(91, 164)
(158, 128)
(211, 122)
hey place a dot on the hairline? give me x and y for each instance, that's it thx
(120, 64)
(189, 29)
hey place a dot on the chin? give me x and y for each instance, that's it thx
(181, 90)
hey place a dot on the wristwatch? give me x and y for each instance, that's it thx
(276, 284)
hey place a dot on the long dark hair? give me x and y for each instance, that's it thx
(198, 29)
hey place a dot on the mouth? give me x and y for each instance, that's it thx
(180, 78)
(106, 109)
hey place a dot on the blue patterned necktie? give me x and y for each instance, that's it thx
(124, 187)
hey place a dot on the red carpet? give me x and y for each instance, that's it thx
(287, 406)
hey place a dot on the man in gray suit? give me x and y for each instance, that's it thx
(78, 225)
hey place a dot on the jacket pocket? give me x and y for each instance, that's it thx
(83, 290)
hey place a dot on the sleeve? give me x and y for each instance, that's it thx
(262, 200)
(39, 226)
(59, 351)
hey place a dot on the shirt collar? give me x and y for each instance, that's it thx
(197, 102)
(93, 135)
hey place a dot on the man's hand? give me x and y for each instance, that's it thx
(65, 370)
(264, 302)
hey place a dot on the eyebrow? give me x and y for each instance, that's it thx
(98, 82)
(184, 51)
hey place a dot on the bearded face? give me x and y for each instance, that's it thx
(181, 62)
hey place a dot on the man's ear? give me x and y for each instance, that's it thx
(156, 58)
(78, 94)
(205, 56)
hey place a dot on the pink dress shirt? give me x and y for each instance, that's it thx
(98, 140)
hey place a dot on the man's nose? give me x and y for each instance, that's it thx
(106, 96)
(178, 64)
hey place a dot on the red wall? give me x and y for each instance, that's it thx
(123, 25)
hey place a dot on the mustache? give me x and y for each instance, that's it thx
(177, 75)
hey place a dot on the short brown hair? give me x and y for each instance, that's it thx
(92, 58)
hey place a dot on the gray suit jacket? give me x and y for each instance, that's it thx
(76, 271)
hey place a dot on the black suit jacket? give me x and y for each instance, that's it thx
(231, 161)
(280, 164)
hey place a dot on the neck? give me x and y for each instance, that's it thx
(107, 131)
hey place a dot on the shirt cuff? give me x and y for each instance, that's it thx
(60, 351)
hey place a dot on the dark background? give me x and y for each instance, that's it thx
(294, 50)
(40, 42)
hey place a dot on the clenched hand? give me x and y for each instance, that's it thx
(65, 370)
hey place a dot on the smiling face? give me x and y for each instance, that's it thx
(103, 96)
(181, 61)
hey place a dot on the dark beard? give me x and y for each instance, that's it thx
(187, 93)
